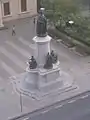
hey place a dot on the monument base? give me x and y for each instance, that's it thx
(63, 84)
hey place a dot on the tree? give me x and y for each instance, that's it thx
(65, 7)
(61, 8)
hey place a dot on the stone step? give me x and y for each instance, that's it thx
(48, 87)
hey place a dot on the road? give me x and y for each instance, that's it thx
(76, 110)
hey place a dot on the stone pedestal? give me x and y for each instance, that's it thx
(42, 48)
(42, 79)
(41, 82)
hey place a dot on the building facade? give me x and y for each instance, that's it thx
(15, 9)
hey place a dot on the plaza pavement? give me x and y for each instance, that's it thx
(14, 52)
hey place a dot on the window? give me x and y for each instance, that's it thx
(23, 5)
(6, 8)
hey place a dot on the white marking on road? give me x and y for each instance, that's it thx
(26, 43)
(20, 50)
(23, 41)
(72, 101)
(59, 106)
(12, 57)
(45, 111)
(84, 96)
(26, 118)
(8, 68)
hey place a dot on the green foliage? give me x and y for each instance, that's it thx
(64, 8)
(61, 11)
(77, 31)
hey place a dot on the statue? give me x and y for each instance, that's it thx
(41, 24)
(54, 57)
(48, 64)
(32, 63)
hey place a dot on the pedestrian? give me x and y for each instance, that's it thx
(34, 20)
(13, 30)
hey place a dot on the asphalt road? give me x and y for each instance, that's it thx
(76, 110)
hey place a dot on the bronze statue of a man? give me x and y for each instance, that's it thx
(32, 63)
(54, 57)
(48, 64)
(41, 24)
